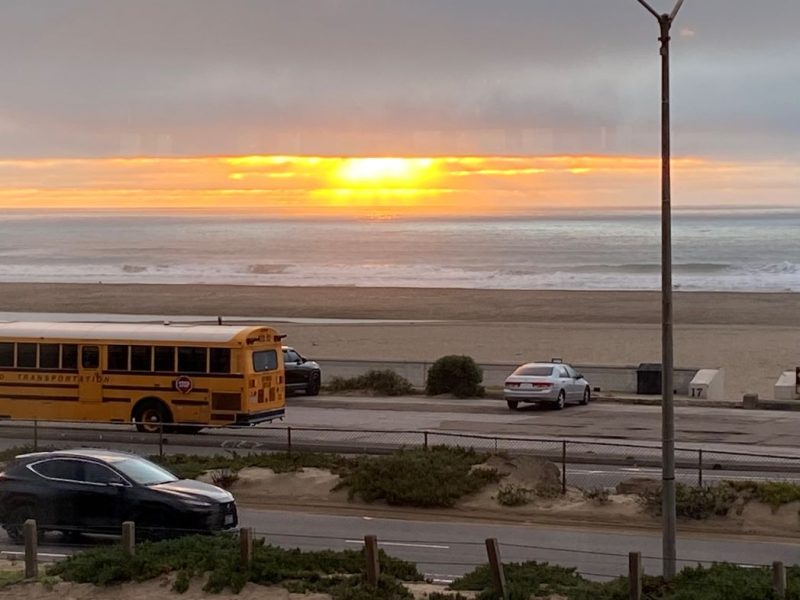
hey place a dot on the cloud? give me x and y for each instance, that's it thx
(113, 77)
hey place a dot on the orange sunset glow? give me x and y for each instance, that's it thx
(357, 186)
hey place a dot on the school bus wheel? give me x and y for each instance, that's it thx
(150, 414)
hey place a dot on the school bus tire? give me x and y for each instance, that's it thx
(148, 413)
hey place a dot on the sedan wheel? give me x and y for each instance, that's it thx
(512, 404)
(587, 395)
(562, 400)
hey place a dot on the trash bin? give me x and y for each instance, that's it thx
(648, 379)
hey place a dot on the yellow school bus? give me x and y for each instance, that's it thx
(185, 376)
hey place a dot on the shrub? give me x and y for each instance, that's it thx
(191, 466)
(457, 375)
(386, 383)
(522, 579)
(513, 495)
(224, 478)
(695, 502)
(598, 495)
(338, 572)
(717, 582)
(435, 477)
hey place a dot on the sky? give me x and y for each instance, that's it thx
(568, 87)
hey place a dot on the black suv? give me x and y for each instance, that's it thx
(95, 491)
(302, 374)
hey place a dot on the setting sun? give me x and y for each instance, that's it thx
(382, 173)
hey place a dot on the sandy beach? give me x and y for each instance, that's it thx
(753, 336)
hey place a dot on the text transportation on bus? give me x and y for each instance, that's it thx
(189, 375)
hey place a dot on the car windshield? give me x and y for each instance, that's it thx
(144, 472)
(534, 371)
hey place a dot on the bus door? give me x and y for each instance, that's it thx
(90, 375)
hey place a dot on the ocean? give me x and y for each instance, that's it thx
(712, 250)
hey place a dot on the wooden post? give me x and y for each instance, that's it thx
(31, 549)
(373, 564)
(289, 440)
(779, 579)
(496, 565)
(635, 575)
(246, 546)
(129, 537)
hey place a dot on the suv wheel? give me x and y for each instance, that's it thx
(314, 384)
(15, 520)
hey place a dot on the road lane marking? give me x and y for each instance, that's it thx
(39, 555)
(403, 544)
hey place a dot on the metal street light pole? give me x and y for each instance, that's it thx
(669, 552)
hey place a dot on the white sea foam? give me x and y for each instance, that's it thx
(751, 254)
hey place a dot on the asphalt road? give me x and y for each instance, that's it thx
(444, 550)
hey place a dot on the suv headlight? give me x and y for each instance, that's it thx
(197, 503)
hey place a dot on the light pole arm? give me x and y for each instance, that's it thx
(651, 9)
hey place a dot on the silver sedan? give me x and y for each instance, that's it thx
(550, 383)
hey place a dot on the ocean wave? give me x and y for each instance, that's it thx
(636, 268)
(758, 277)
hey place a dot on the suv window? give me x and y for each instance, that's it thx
(60, 468)
(291, 356)
(94, 473)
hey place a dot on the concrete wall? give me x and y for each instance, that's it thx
(621, 379)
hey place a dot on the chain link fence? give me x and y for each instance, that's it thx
(583, 464)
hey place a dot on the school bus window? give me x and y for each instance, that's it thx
(265, 360)
(192, 360)
(90, 357)
(164, 358)
(141, 358)
(48, 356)
(6, 354)
(69, 356)
(117, 358)
(220, 360)
(26, 355)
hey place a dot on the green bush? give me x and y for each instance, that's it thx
(695, 502)
(522, 578)
(774, 493)
(385, 383)
(717, 582)
(598, 495)
(457, 375)
(191, 466)
(513, 495)
(435, 477)
(339, 573)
